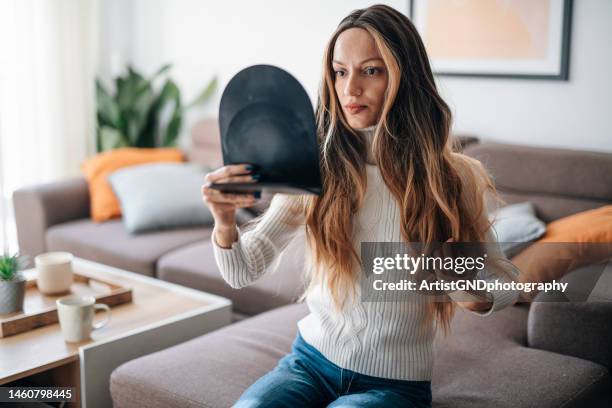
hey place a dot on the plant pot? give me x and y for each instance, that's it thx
(11, 295)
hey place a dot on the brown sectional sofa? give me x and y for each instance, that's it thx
(484, 363)
(498, 361)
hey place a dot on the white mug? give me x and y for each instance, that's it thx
(54, 270)
(76, 317)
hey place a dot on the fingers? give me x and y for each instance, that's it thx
(251, 178)
(230, 171)
(211, 195)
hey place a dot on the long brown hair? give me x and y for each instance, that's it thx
(440, 193)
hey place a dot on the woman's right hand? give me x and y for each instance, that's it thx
(223, 205)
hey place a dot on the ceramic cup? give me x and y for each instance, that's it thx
(76, 317)
(54, 270)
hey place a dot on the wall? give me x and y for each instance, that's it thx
(206, 38)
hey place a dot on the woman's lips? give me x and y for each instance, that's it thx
(355, 109)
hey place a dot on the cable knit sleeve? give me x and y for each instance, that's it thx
(497, 263)
(251, 255)
(501, 298)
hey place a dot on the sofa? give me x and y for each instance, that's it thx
(546, 354)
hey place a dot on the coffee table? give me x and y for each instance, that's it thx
(161, 315)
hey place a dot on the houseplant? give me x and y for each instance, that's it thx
(138, 114)
(12, 284)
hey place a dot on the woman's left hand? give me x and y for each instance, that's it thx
(479, 301)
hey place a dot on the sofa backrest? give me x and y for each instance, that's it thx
(205, 146)
(559, 182)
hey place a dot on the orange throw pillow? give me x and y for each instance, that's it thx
(587, 226)
(569, 243)
(104, 203)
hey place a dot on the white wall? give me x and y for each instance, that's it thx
(206, 38)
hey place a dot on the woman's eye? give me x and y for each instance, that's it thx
(339, 73)
(371, 71)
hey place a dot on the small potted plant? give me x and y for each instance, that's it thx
(12, 284)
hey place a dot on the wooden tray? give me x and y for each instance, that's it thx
(40, 310)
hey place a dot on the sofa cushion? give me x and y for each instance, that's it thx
(576, 322)
(209, 371)
(485, 363)
(195, 266)
(589, 335)
(109, 243)
(482, 363)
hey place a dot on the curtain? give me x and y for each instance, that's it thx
(48, 52)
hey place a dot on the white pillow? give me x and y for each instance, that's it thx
(516, 227)
(160, 196)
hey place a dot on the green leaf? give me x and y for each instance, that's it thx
(139, 115)
(148, 84)
(132, 126)
(108, 112)
(205, 94)
(110, 138)
(169, 103)
(160, 71)
(119, 83)
(129, 87)
(169, 92)
(148, 135)
(171, 134)
(134, 75)
(9, 267)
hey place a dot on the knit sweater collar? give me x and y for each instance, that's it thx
(368, 134)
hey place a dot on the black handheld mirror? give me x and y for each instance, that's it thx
(266, 119)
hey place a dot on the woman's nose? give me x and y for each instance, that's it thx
(352, 87)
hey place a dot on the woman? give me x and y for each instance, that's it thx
(389, 175)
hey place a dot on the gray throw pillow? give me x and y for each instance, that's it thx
(160, 196)
(516, 226)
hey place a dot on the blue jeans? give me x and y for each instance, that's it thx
(305, 378)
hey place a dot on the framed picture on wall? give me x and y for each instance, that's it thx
(496, 38)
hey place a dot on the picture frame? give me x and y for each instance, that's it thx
(496, 39)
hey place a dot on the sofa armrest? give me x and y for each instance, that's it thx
(39, 207)
(578, 329)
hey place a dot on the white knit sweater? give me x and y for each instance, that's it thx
(388, 339)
